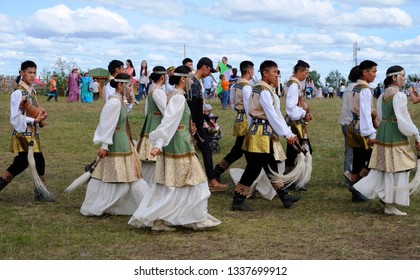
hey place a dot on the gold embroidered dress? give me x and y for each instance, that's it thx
(392, 156)
(180, 191)
(155, 107)
(116, 186)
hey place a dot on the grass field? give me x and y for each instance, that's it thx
(325, 224)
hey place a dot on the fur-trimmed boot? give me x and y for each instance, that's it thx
(286, 198)
(39, 196)
(5, 179)
(220, 168)
(239, 197)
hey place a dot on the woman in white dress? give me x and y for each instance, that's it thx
(155, 108)
(392, 157)
(180, 191)
(116, 186)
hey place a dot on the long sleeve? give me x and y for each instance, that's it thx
(163, 134)
(366, 125)
(405, 124)
(246, 95)
(292, 97)
(160, 98)
(107, 123)
(275, 119)
(18, 120)
(232, 97)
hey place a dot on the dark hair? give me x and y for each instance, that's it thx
(131, 65)
(113, 65)
(392, 69)
(186, 60)
(365, 65)
(354, 74)
(121, 76)
(300, 65)
(221, 76)
(174, 80)
(245, 65)
(145, 67)
(266, 64)
(27, 64)
(154, 76)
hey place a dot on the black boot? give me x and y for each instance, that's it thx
(356, 196)
(221, 167)
(239, 197)
(3, 183)
(286, 198)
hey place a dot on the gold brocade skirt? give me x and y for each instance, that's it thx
(179, 171)
(118, 168)
(354, 139)
(241, 125)
(392, 158)
(257, 139)
(20, 142)
(144, 148)
(279, 154)
(298, 128)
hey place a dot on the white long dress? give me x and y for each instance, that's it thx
(391, 162)
(180, 192)
(116, 186)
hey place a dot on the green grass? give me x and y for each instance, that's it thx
(325, 224)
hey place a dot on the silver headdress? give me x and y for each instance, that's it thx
(187, 83)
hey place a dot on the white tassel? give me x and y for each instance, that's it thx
(414, 185)
(39, 185)
(79, 181)
(83, 178)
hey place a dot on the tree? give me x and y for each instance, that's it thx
(61, 69)
(334, 79)
(315, 77)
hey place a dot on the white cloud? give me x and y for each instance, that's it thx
(378, 2)
(5, 24)
(370, 17)
(83, 22)
(160, 8)
(410, 43)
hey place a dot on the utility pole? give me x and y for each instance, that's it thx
(185, 52)
(355, 50)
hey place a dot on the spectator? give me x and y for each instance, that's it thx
(330, 92)
(224, 95)
(53, 88)
(143, 80)
(95, 89)
(342, 89)
(208, 84)
(73, 80)
(325, 91)
(87, 87)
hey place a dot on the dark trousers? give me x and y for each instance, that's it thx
(256, 162)
(291, 153)
(203, 145)
(361, 158)
(20, 163)
(52, 94)
(236, 152)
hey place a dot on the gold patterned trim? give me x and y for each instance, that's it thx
(157, 113)
(242, 189)
(118, 128)
(189, 154)
(395, 144)
(181, 127)
(118, 154)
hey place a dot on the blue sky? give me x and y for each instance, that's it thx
(321, 32)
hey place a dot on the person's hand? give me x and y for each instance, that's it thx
(292, 140)
(102, 153)
(308, 117)
(193, 128)
(41, 117)
(371, 142)
(155, 151)
(418, 146)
